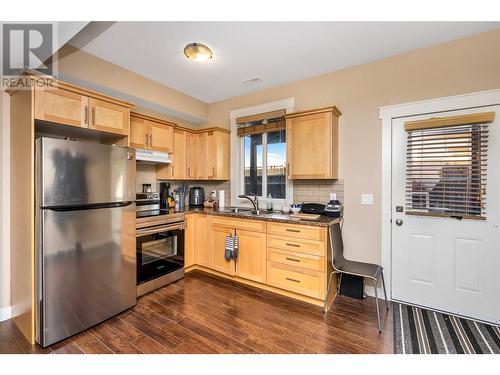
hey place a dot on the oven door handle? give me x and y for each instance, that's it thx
(159, 229)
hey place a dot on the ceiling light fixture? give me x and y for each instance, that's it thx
(198, 52)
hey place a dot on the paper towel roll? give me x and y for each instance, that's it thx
(221, 198)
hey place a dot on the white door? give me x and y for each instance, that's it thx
(445, 263)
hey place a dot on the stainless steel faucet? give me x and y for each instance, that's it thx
(254, 201)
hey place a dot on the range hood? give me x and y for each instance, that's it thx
(152, 157)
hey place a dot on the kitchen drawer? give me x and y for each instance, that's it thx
(308, 283)
(250, 225)
(297, 245)
(299, 260)
(297, 231)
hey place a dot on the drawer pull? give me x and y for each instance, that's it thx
(294, 280)
(293, 230)
(293, 260)
(292, 245)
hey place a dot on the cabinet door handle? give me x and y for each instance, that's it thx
(293, 280)
(288, 169)
(293, 259)
(93, 116)
(86, 119)
(213, 172)
(189, 172)
(292, 230)
(292, 245)
(172, 170)
(146, 140)
(150, 140)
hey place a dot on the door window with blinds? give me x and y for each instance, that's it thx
(264, 154)
(446, 166)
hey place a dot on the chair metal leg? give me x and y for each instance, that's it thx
(340, 282)
(376, 303)
(328, 291)
(385, 293)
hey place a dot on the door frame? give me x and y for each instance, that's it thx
(389, 113)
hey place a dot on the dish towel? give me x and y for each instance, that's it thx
(231, 250)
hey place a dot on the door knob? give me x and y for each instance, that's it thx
(399, 222)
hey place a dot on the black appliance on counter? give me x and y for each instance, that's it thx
(159, 244)
(333, 209)
(313, 208)
(196, 196)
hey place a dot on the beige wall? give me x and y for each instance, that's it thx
(463, 66)
(4, 201)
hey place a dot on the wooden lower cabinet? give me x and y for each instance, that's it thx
(190, 241)
(301, 281)
(219, 262)
(251, 263)
(292, 265)
(203, 253)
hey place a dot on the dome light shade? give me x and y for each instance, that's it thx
(198, 52)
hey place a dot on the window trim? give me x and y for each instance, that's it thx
(237, 163)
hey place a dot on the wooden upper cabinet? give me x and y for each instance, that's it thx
(161, 136)
(217, 166)
(109, 117)
(150, 133)
(61, 106)
(312, 144)
(202, 160)
(67, 104)
(176, 170)
(139, 134)
(191, 155)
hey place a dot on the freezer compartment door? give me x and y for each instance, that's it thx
(72, 173)
(86, 269)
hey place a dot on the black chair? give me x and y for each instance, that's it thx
(341, 265)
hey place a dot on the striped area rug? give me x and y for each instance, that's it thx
(421, 331)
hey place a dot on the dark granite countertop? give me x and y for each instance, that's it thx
(279, 217)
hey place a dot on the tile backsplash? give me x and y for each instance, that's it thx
(208, 186)
(146, 174)
(317, 191)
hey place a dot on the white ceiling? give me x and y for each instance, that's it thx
(276, 52)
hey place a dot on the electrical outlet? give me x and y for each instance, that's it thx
(333, 196)
(366, 198)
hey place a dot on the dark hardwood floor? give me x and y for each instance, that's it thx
(206, 314)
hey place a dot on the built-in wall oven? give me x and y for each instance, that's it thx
(160, 245)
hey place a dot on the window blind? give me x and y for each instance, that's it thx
(446, 164)
(261, 123)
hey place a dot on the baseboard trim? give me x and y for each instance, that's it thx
(370, 291)
(5, 313)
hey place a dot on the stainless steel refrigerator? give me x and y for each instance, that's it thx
(85, 233)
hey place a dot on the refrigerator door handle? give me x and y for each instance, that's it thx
(90, 206)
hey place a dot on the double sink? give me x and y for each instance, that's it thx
(243, 211)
